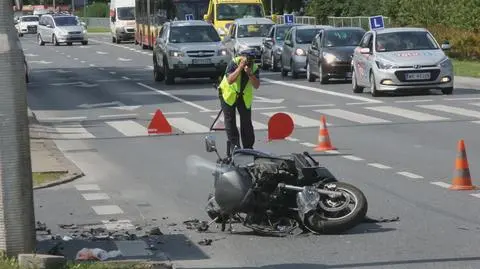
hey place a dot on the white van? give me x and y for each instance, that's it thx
(122, 20)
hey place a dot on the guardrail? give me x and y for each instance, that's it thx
(358, 21)
(279, 19)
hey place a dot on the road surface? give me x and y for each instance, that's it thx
(97, 101)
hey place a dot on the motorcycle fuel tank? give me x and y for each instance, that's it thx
(231, 188)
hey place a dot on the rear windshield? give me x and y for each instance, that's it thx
(343, 38)
(305, 36)
(193, 34)
(66, 21)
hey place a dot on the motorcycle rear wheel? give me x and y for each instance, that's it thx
(318, 222)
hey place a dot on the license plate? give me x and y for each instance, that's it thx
(201, 61)
(417, 76)
(349, 74)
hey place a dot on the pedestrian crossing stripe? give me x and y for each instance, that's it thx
(361, 115)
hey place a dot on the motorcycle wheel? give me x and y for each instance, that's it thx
(332, 217)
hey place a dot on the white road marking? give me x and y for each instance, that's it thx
(351, 116)
(462, 99)
(92, 65)
(76, 59)
(128, 127)
(358, 103)
(123, 59)
(82, 62)
(87, 187)
(149, 67)
(256, 125)
(441, 184)
(474, 104)
(333, 151)
(107, 209)
(101, 52)
(113, 73)
(414, 101)
(95, 196)
(63, 119)
(117, 116)
(406, 113)
(68, 56)
(320, 105)
(187, 126)
(353, 158)
(453, 110)
(173, 97)
(475, 195)
(334, 93)
(101, 68)
(293, 139)
(126, 78)
(118, 225)
(269, 108)
(379, 166)
(298, 120)
(410, 175)
(307, 144)
(171, 113)
(74, 132)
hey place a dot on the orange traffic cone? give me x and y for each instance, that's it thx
(461, 178)
(324, 142)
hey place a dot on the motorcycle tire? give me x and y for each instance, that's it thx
(316, 223)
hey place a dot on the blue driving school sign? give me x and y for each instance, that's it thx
(189, 17)
(288, 18)
(376, 23)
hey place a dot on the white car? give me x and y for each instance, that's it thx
(27, 25)
(401, 59)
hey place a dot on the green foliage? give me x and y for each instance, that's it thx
(458, 21)
(95, 10)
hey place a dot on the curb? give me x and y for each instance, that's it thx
(64, 179)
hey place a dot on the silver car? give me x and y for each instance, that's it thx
(401, 59)
(294, 54)
(273, 45)
(247, 33)
(60, 28)
(188, 49)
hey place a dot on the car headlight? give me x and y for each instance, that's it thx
(222, 52)
(382, 65)
(329, 58)
(300, 52)
(445, 63)
(176, 53)
(84, 31)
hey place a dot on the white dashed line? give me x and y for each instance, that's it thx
(92, 65)
(379, 166)
(462, 99)
(475, 195)
(107, 210)
(126, 78)
(293, 139)
(76, 59)
(113, 73)
(333, 151)
(101, 68)
(414, 101)
(409, 175)
(321, 105)
(308, 144)
(117, 116)
(353, 158)
(68, 56)
(357, 103)
(171, 113)
(441, 184)
(95, 196)
(87, 187)
(82, 62)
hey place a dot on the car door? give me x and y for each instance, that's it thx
(314, 54)
(162, 45)
(360, 60)
(50, 29)
(287, 49)
(42, 24)
(267, 45)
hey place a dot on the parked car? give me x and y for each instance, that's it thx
(247, 33)
(188, 49)
(27, 25)
(401, 59)
(294, 54)
(60, 28)
(330, 54)
(273, 45)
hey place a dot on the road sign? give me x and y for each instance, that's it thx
(189, 17)
(288, 18)
(376, 23)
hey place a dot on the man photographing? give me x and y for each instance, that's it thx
(236, 92)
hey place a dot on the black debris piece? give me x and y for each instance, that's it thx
(205, 242)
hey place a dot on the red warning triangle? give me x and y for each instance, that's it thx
(218, 124)
(159, 124)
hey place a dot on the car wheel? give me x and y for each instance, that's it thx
(448, 90)
(294, 74)
(273, 65)
(355, 87)
(310, 76)
(69, 43)
(55, 40)
(323, 78)
(373, 86)
(84, 43)
(157, 75)
(282, 69)
(264, 65)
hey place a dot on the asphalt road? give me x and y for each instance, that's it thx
(400, 150)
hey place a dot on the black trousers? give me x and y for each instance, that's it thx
(246, 126)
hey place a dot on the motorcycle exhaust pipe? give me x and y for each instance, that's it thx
(299, 189)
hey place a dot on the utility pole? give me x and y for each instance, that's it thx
(17, 218)
(54, 5)
(73, 7)
(271, 7)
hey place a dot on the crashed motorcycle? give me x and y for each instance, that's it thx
(277, 195)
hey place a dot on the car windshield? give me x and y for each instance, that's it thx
(126, 13)
(230, 12)
(66, 21)
(400, 41)
(305, 36)
(193, 34)
(281, 31)
(343, 38)
(32, 18)
(253, 30)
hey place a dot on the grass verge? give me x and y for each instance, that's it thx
(467, 68)
(97, 30)
(40, 178)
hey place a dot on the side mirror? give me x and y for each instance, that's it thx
(267, 40)
(446, 45)
(365, 51)
(112, 19)
(49, 26)
(210, 145)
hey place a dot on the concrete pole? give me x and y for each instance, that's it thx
(271, 7)
(17, 219)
